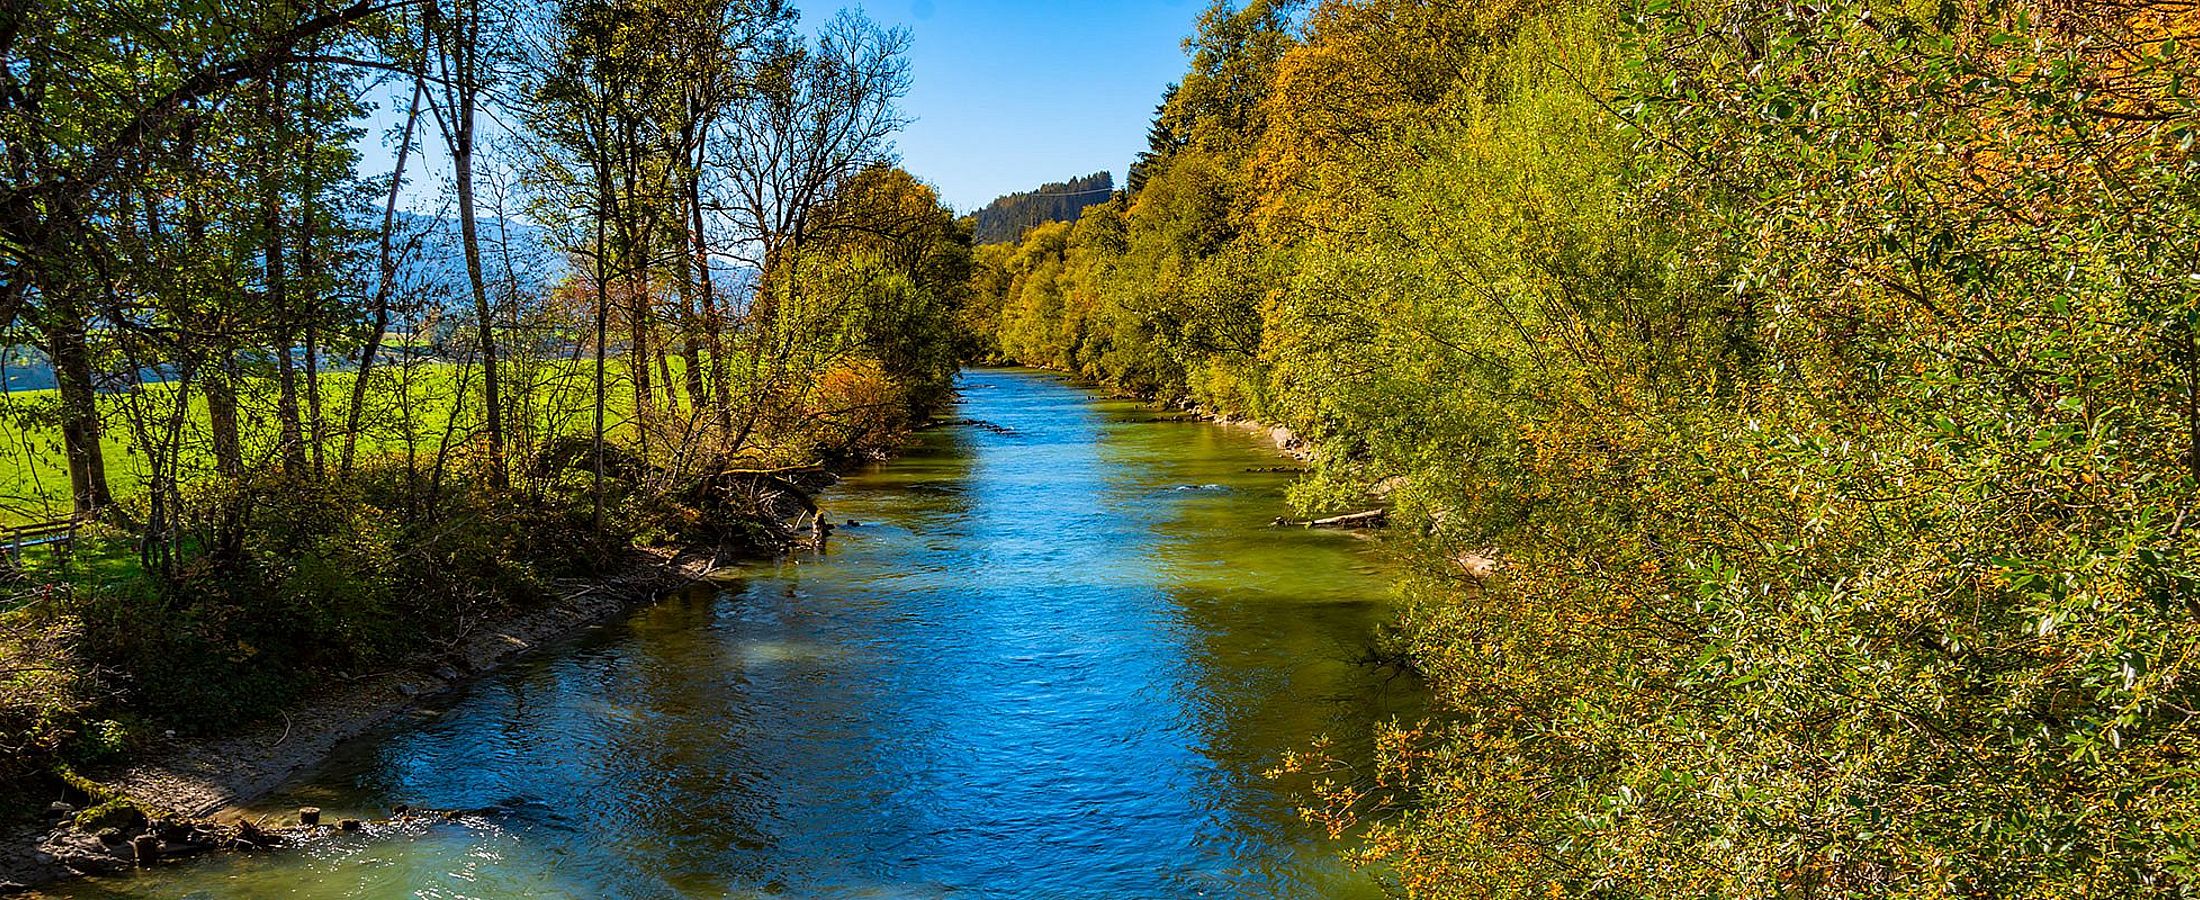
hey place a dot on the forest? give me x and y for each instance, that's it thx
(1007, 219)
(1790, 414)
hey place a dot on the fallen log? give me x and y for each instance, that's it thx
(1374, 518)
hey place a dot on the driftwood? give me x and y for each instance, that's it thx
(782, 472)
(984, 425)
(1374, 518)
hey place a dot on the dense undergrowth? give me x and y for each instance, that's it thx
(1790, 409)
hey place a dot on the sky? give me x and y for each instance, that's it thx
(1012, 94)
(1006, 95)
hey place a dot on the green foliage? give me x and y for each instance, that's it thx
(1789, 410)
(299, 583)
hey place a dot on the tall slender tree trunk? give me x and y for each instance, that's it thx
(164, 447)
(691, 348)
(603, 319)
(70, 353)
(664, 376)
(286, 368)
(461, 61)
(307, 273)
(387, 272)
(309, 284)
(714, 322)
(217, 368)
(275, 274)
(491, 384)
(638, 313)
(691, 324)
(220, 379)
(637, 364)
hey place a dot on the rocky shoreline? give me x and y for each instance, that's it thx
(199, 786)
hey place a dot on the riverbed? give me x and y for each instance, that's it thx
(1053, 658)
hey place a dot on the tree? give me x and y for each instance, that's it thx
(461, 57)
(813, 118)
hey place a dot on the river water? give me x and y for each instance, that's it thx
(1054, 661)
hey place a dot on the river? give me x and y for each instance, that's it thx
(1053, 661)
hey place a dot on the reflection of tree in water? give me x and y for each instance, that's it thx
(1275, 621)
(681, 778)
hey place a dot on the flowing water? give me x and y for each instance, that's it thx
(1054, 660)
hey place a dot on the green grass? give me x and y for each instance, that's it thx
(407, 408)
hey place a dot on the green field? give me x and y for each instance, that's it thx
(407, 408)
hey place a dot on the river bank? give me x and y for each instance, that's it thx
(167, 794)
(205, 782)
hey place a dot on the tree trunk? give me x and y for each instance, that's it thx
(286, 403)
(80, 428)
(286, 369)
(462, 155)
(462, 86)
(218, 367)
(714, 324)
(307, 280)
(309, 301)
(664, 374)
(603, 321)
(691, 343)
(638, 311)
(1374, 518)
(276, 280)
(388, 272)
(637, 364)
(221, 413)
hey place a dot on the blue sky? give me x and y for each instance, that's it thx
(1006, 95)
(1009, 95)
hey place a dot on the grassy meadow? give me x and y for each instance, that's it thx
(410, 409)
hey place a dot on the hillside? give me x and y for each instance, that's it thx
(1007, 219)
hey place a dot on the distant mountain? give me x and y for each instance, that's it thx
(431, 276)
(436, 262)
(1005, 220)
(24, 369)
(431, 273)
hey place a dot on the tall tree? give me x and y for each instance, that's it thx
(458, 36)
(813, 118)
